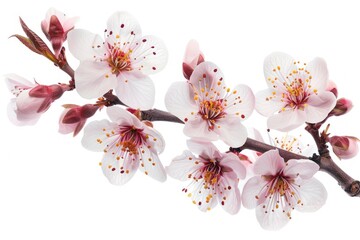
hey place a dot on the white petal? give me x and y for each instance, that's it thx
(241, 101)
(271, 220)
(155, 140)
(225, 128)
(14, 81)
(96, 135)
(150, 164)
(84, 45)
(268, 103)
(319, 106)
(208, 78)
(229, 193)
(204, 198)
(94, 79)
(179, 100)
(278, 65)
(198, 128)
(319, 73)
(183, 165)
(269, 163)
(232, 162)
(287, 120)
(251, 191)
(136, 90)
(123, 29)
(123, 117)
(149, 55)
(312, 194)
(303, 168)
(13, 114)
(203, 148)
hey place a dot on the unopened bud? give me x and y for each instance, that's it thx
(344, 147)
(331, 87)
(193, 57)
(342, 107)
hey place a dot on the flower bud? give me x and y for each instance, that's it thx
(74, 117)
(193, 57)
(344, 147)
(56, 26)
(342, 107)
(331, 87)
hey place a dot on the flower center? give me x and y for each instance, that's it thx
(211, 173)
(211, 111)
(131, 139)
(296, 95)
(118, 60)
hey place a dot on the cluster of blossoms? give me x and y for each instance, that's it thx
(121, 62)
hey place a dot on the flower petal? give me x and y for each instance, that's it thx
(271, 220)
(232, 162)
(151, 165)
(204, 149)
(267, 103)
(208, 78)
(229, 193)
(287, 120)
(241, 101)
(123, 117)
(192, 54)
(136, 90)
(319, 73)
(198, 128)
(16, 84)
(225, 128)
(277, 66)
(203, 197)
(183, 165)
(303, 168)
(97, 135)
(149, 55)
(84, 45)
(179, 100)
(319, 106)
(269, 163)
(20, 119)
(312, 195)
(94, 79)
(251, 191)
(155, 140)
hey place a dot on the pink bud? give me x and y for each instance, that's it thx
(56, 26)
(331, 87)
(344, 147)
(74, 117)
(342, 107)
(193, 57)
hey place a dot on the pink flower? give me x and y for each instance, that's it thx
(214, 176)
(282, 187)
(31, 99)
(344, 147)
(121, 62)
(56, 27)
(74, 117)
(127, 143)
(296, 93)
(209, 109)
(193, 57)
(342, 107)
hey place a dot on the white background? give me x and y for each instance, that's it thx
(52, 188)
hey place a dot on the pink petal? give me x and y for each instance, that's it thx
(84, 45)
(19, 119)
(183, 165)
(269, 163)
(149, 55)
(312, 195)
(232, 162)
(97, 135)
(179, 100)
(151, 165)
(204, 198)
(123, 117)
(14, 81)
(271, 220)
(204, 149)
(225, 129)
(251, 191)
(155, 140)
(319, 106)
(287, 120)
(136, 90)
(192, 54)
(66, 128)
(319, 73)
(94, 79)
(27, 105)
(268, 103)
(198, 128)
(241, 102)
(208, 78)
(229, 194)
(302, 168)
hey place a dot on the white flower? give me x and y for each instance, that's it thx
(127, 143)
(296, 93)
(209, 109)
(214, 176)
(282, 187)
(121, 62)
